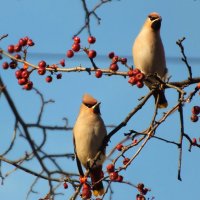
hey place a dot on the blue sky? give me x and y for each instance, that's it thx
(51, 24)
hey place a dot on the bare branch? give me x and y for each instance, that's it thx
(184, 59)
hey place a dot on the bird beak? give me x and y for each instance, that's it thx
(156, 24)
(96, 108)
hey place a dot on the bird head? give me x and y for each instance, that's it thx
(154, 21)
(91, 103)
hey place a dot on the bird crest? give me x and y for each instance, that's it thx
(89, 100)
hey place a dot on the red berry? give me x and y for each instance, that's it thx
(119, 147)
(83, 179)
(70, 53)
(26, 39)
(49, 79)
(59, 76)
(13, 65)
(65, 185)
(136, 71)
(114, 67)
(123, 60)
(18, 73)
(139, 76)
(110, 168)
(140, 84)
(115, 59)
(198, 85)
(126, 160)
(77, 40)
(91, 54)
(17, 56)
(194, 118)
(98, 73)
(140, 197)
(119, 178)
(42, 64)
(22, 42)
(135, 141)
(17, 48)
(25, 74)
(11, 48)
(62, 62)
(41, 71)
(54, 66)
(111, 55)
(132, 80)
(86, 193)
(194, 141)
(195, 110)
(28, 85)
(113, 176)
(5, 65)
(22, 81)
(76, 47)
(86, 186)
(91, 39)
(130, 73)
(140, 187)
(30, 43)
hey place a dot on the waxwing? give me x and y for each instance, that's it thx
(149, 55)
(89, 132)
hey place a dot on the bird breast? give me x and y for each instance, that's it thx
(89, 132)
(148, 53)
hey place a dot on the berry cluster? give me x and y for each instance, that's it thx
(115, 60)
(76, 47)
(143, 191)
(86, 191)
(22, 76)
(120, 147)
(42, 68)
(22, 45)
(113, 175)
(22, 73)
(195, 113)
(136, 77)
(19, 52)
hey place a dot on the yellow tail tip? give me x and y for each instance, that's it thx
(98, 192)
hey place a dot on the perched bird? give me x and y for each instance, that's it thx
(149, 55)
(89, 132)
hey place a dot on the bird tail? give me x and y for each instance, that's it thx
(96, 174)
(160, 97)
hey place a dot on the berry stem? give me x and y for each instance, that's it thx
(72, 69)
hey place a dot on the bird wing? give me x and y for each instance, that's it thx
(77, 159)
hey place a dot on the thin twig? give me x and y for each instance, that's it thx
(12, 141)
(181, 98)
(184, 58)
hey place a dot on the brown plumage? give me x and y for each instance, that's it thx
(89, 132)
(149, 55)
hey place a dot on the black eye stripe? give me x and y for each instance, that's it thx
(88, 105)
(152, 18)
